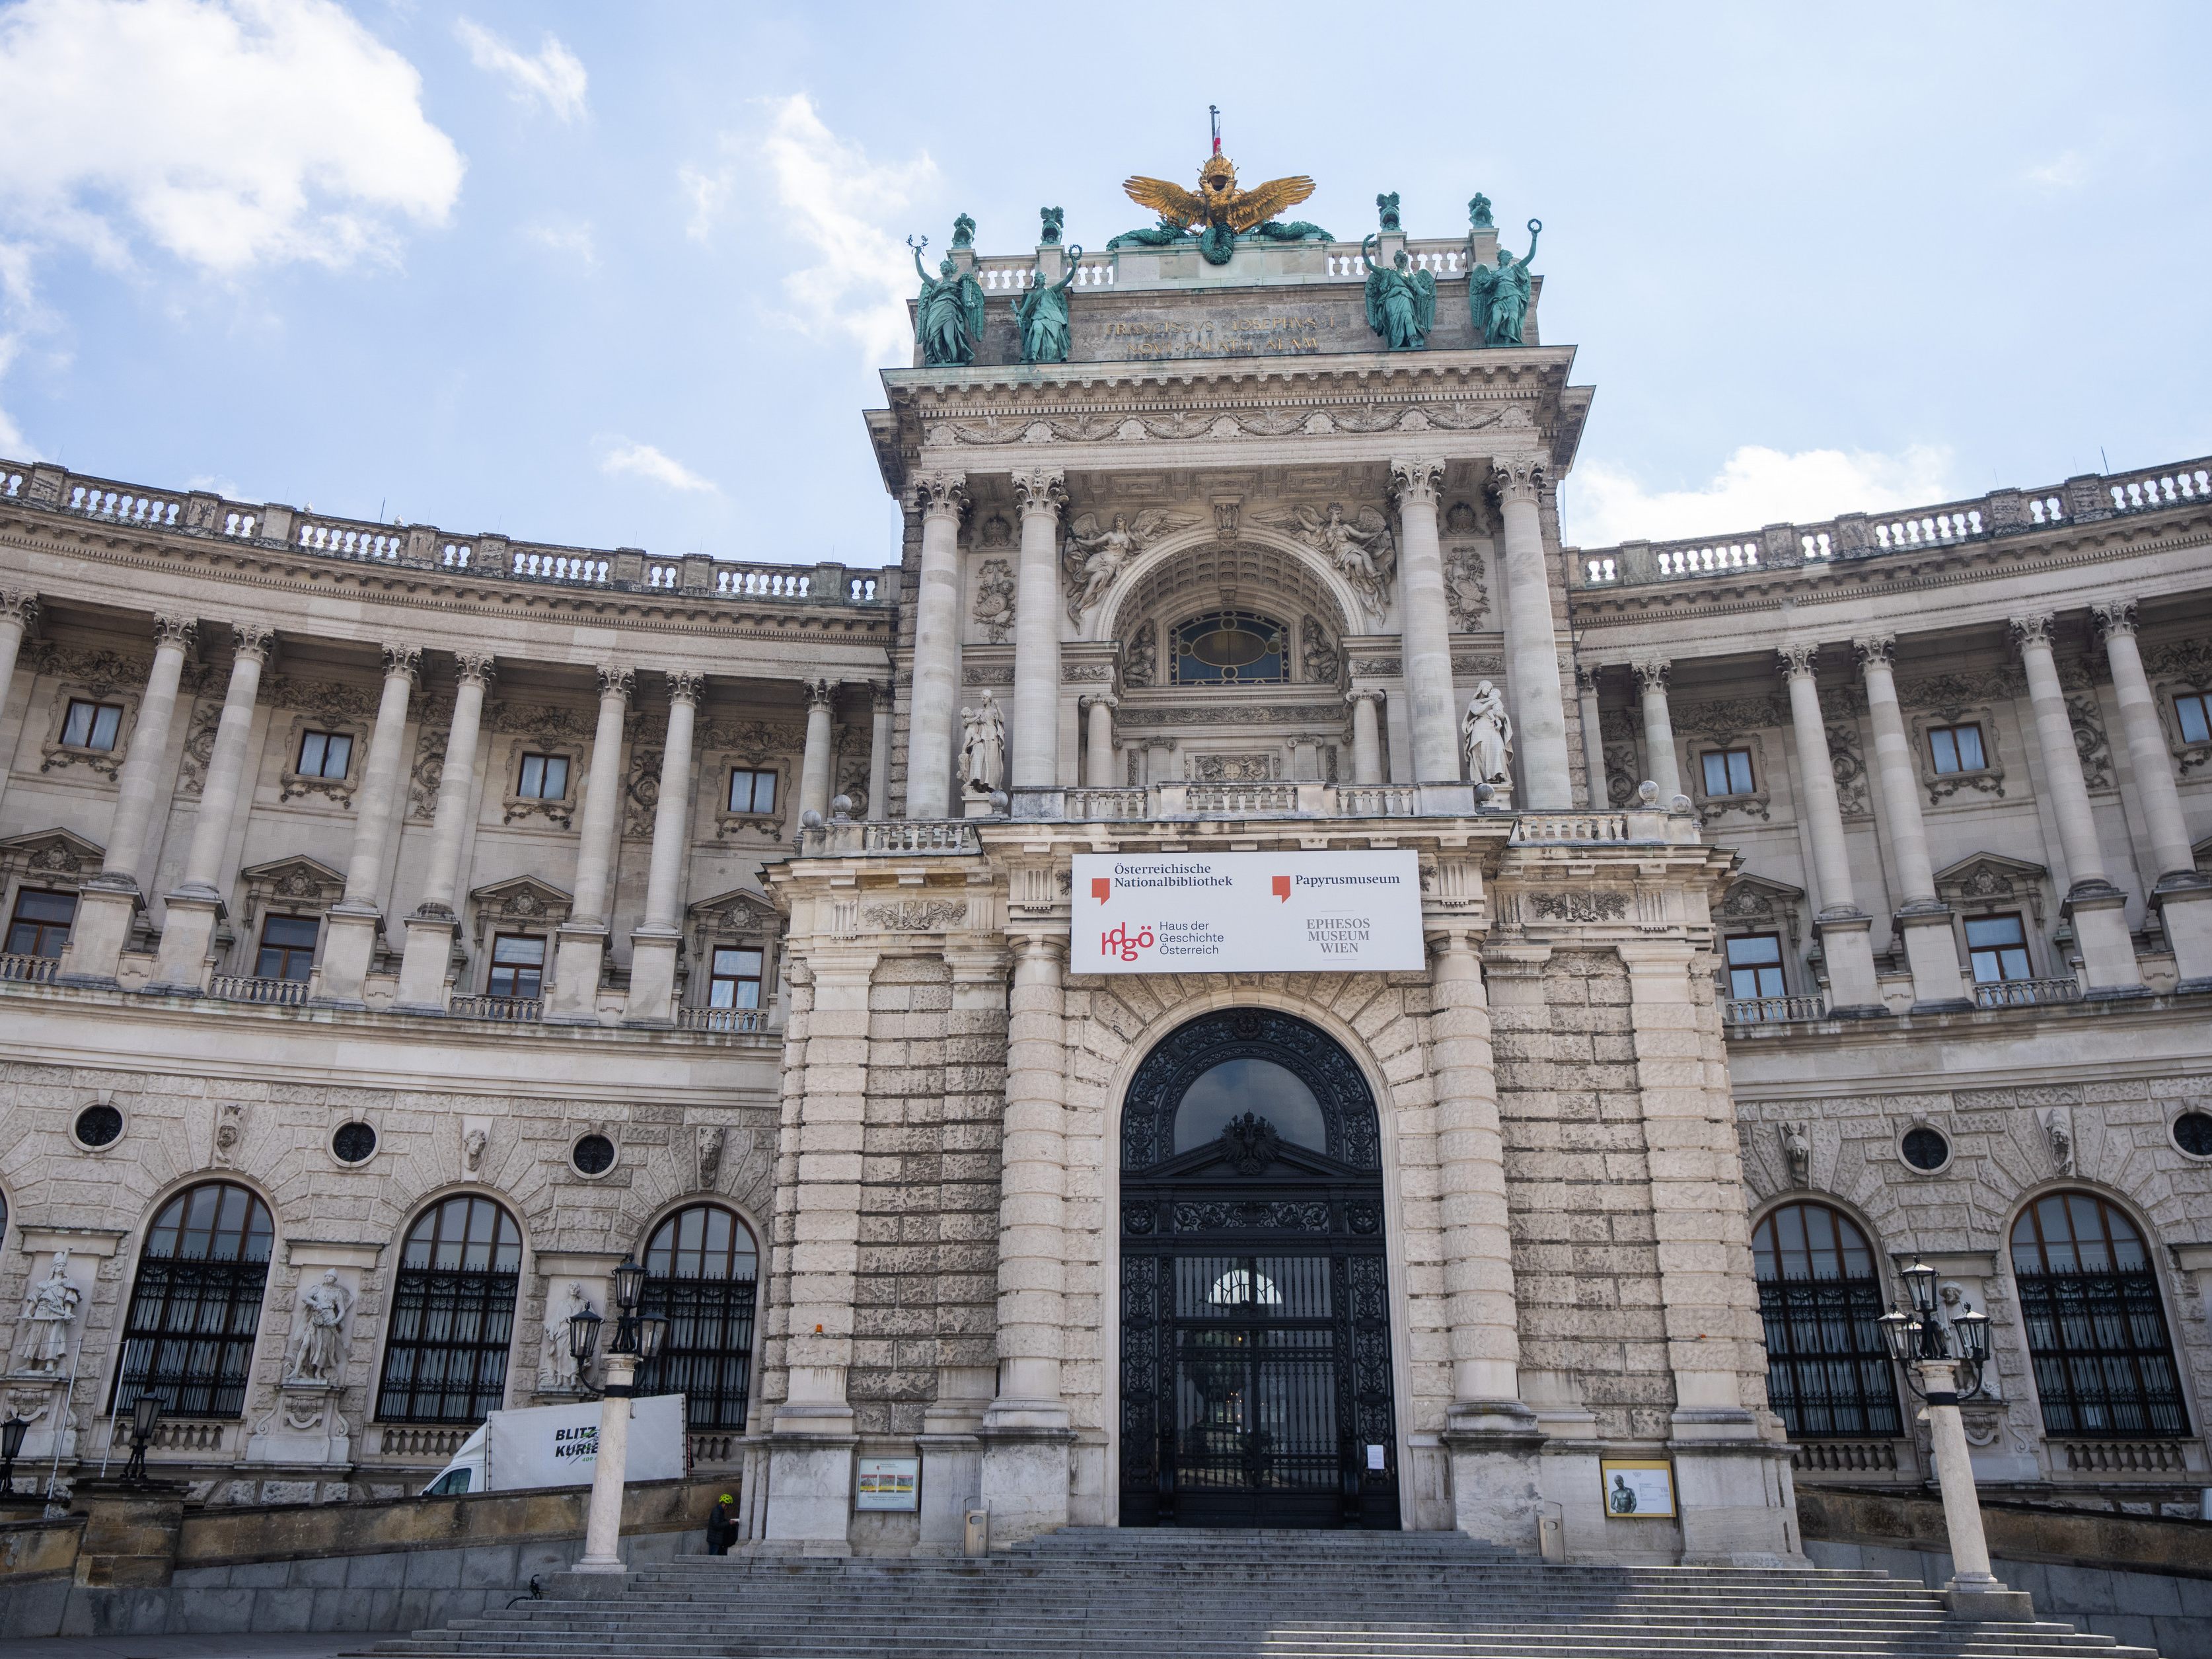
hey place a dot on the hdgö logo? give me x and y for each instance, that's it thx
(1125, 944)
(1101, 888)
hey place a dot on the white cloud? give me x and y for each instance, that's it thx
(555, 78)
(13, 444)
(1603, 504)
(836, 207)
(636, 460)
(2067, 171)
(227, 134)
(574, 237)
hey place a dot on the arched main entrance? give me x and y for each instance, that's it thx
(1255, 1325)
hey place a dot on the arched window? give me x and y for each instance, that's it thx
(196, 1303)
(1229, 648)
(2096, 1331)
(701, 1270)
(453, 1313)
(1819, 1294)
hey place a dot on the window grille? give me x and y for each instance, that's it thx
(2096, 1328)
(452, 1314)
(701, 1269)
(195, 1304)
(1827, 1374)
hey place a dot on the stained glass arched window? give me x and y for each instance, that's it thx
(2096, 1326)
(701, 1269)
(196, 1302)
(1819, 1293)
(453, 1313)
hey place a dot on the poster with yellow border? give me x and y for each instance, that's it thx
(1637, 1488)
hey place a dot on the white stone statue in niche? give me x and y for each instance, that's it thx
(1486, 734)
(318, 1351)
(558, 1372)
(983, 747)
(47, 1318)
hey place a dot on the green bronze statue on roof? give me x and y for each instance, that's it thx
(1498, 299)
(1041, 314)
(948, 314)
(1401, 302)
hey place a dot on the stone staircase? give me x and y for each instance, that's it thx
(1108, 1594)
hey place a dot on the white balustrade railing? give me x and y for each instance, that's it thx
(718, 1019)
(1107, 805)
(1553, 827)
(515, 1011)
(2045, 509)
(584, 570)
(1931, 529)
(909, 835)
(1815, 545)
(1699, 561)
(456, 556)
(241, 988)
(1372, 800)
(861, 589)
(1601, 571)
(240, 524)
(2026, 993)
(30, 971)
(348, 541)
(763, 582)
(121, 504)
(1241, 798)
(664, 575)
(2169, 489)
(11, 482)
(1771, 1011)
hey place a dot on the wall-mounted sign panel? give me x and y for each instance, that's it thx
(1246, 912)
(888, 1483)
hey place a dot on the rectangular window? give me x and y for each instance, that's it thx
(737, 980)
(287, 947)
(41, 925)
(544, 777)
(1997, 948)
(518, 966)
(1754, 965)
(92, 725)
(751, 790)
(2194, 710)
(1956, 748)
(1728, 771)
(324, 754)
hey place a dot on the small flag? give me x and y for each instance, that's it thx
(1101, 887)
(1283, 889)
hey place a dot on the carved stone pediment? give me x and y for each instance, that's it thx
(1759, 902)
(296, 885)
(739, 917)
(50, 858)
(520, 901)
(1981, 879)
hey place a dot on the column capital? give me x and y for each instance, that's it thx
(1360, 693)
(251, 642)
(1416, 478)
(939, 493)
(1518, 481)
(1041, 490)
(616, 680)
(178, 631)
(1097, 699)
(1651, 673)
(402, 661)
(1875, 651)
(475, 667)
(1797, 662)
(1586, 676)
(19, 606)
(686, 687)
(2033, 629)
(882, 694)
(820, 692)
(2113, 617)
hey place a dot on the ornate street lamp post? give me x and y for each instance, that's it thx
(635, 1341)
(1942, 1365)
(145, 1413)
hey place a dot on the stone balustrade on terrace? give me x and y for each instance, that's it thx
(2000, 512)
(1447, 257)
(424, 547)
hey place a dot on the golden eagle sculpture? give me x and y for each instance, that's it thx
(1216, 213)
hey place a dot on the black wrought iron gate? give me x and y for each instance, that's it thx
(1255, 1340)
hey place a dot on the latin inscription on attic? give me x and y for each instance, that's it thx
(1272, 335)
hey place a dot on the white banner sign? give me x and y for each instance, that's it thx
(1244, 913)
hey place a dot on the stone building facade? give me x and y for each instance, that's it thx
(443, 918)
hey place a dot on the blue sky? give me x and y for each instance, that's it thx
(623, 275)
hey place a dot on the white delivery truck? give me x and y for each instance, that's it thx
(559, 1446)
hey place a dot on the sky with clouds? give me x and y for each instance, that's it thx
(624, 276)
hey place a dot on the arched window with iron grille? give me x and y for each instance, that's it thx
(453, 1313)
(2096, 1326)
(196, 1303)
(1819, 1293)
(701, 1269)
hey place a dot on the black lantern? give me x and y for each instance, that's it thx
(651, 1332)
(1920, 1285)
(1900, 1335)
(11, 1447)
(1972, 1330)
(629, 1288)
(583, 1338)
(145, 1413)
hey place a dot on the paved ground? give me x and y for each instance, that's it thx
(192, 1647)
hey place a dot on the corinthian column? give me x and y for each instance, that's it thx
(1532, 649)
(18, 608)
(1846, 931)
(814, 760)
(1025, 1429)
(582, 947)
(1594, 790)
(2184, 897)
(1041, 496)
(1366, 734)
(188, 927)
(350, 942)
(1659, 731)
(934, 701)
(1922, 920)
(653, 946)
(2097, 909)
(106, 902)
(1425, 622)
(430, 930)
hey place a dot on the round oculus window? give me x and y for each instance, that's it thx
(353, 1143)
(2192, 1132)
(1230, 646)
(1925, 1148)
(592, 1155)
(97, 1126)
